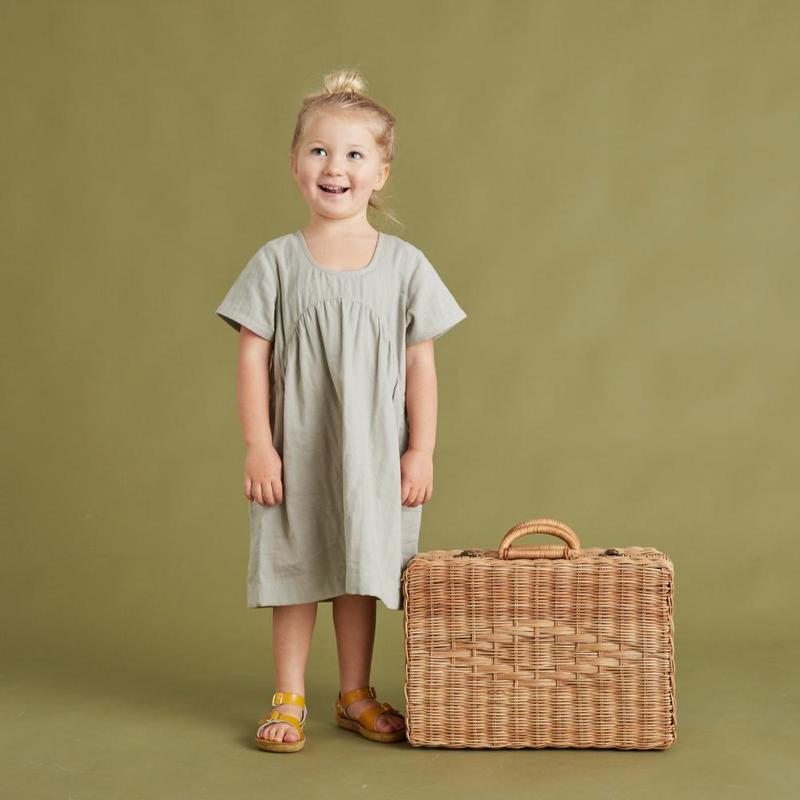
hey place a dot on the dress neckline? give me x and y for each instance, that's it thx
(373, 262)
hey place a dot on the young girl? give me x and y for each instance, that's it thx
(337, 400)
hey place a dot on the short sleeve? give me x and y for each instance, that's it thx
(252, 299)
(431, 309)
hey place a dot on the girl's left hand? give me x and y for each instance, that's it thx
(416, 477)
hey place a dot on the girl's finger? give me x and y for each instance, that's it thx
(277, 489)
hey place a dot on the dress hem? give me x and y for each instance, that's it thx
(261, 599)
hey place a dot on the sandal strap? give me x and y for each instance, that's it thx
(288, 697)
(292, 698)
(356, 694)
(276, 717)
(369, 716)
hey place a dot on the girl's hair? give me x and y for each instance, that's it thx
(343, 92)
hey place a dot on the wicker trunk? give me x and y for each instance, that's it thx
(543, 646)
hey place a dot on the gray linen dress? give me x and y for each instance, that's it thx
(338, 415)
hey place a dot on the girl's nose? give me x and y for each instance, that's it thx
(334, 167)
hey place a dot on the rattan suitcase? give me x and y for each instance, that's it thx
(542, 646)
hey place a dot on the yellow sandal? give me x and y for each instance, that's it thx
(276, 716)
(365, 722)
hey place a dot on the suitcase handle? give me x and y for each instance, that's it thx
(541, 525)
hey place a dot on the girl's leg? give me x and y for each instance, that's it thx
(354, 620)
(292, 627)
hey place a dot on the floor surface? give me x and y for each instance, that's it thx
(76, 732)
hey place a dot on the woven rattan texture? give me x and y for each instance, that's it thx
(546, 652)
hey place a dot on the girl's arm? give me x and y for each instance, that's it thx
(263, 465)
(416, 464)
(252, 387)
(421, 397)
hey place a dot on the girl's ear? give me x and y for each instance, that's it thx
(384, 175)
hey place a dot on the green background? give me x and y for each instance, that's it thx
(609, 189)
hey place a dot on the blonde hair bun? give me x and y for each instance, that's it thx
(344, 82)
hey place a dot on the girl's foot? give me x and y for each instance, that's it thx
(282, 731)
(385, 723)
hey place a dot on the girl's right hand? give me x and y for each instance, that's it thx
(262, 475)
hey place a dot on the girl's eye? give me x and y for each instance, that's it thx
(360, 155)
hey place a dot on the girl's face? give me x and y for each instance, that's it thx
(338, 150)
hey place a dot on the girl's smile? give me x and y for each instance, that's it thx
(330, 188)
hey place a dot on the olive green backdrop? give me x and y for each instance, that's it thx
(610, 189)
